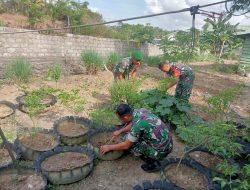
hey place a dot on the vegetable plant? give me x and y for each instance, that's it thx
(55, 72)
(112, 60)
(19, 70)
(92, 61)
(104, 116)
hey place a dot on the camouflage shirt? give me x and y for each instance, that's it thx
(125, 67)
(150, 130)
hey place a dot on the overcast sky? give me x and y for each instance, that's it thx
(118, 9)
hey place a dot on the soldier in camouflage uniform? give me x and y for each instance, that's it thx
(128, 66)
(146, 136)
(184, 78)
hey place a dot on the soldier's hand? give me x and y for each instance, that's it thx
(116, 133)
(104, 149)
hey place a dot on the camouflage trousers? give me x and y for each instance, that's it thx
(144, 149)
(184, 86)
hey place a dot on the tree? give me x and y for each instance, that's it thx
(220, 34)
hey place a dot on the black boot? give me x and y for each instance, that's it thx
(151, 165)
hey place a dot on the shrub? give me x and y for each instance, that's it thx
(55, 72)
(112, 60)
(19, 70)
(153, 61)
(92, 60)
(126, 91)
(219, 138)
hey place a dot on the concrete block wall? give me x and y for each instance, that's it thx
(43, 51)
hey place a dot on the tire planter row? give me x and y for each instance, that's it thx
(70, 175)
(112, 155)
(14, 149)
(23, 108)
(10, 168)
(11, 106)
(195, 165)
(72, 140)
(31, 154)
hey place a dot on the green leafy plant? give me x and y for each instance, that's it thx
(168, 108)
(55, 72)
(229, 170)
(19, 70)
(153, 61)
(219, 105)
(92, 61)
(163, 85)
(218, 138)
(112, 60)
(126, 91)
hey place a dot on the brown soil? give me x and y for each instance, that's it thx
(5, 157)
(27, 179)
(39, 141)
(5, 111)
(206, 159)
(104, 138)
(65, 161)
(71, 129)
(186, 177)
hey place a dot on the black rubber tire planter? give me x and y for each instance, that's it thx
(245, 147)
(17, 154)
(70, 175)
(11, 106)
(11, 167)
(112, 155)
(75, 140)
(157, 184)
(28, 153)
(195, 165)
(23, 108)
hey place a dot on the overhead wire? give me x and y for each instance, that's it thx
(114, 21)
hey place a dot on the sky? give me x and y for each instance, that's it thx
(118, 9)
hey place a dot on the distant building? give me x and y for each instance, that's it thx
(245, 53)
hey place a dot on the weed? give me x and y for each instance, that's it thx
(79, 106)
(218, 105)
(112, 60)
(19, 70)
(92, 60)
(219, 138)
(95, 94)
(55, 72)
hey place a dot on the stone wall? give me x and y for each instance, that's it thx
(43, 51)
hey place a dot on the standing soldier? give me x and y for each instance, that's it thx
(184, 78)
(128, 66)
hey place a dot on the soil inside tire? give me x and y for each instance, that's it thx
(72, 129)
(186, 177)
(5, 157)
(206, 159)
(104, 138)
(65, 161)
(5, 110)
(39, 141)
(26, 179)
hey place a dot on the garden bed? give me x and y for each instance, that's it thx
(72, 130)
(5, 158)
(100, 138)
(6, 109)
(10, 179)
(208, 160)
(66, 165)
(34, 144)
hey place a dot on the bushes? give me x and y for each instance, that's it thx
(112, 60)
(55, 72)
(126, 91)
(92, 60)
(19, 70)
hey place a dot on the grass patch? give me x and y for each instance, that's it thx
(104, 116)
(92, 61)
